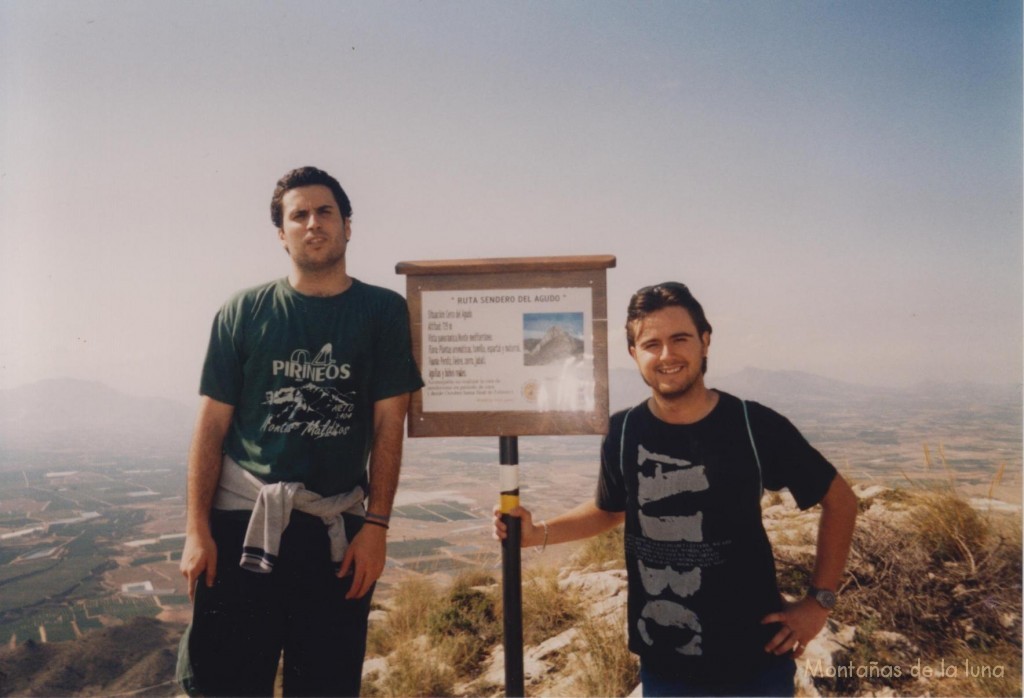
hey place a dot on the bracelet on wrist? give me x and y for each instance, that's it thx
(544, 525)
(374, 522)
(380, 518)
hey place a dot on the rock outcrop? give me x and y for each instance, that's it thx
(839, 661)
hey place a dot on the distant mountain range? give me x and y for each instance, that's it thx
(90, 418)
(788, 390)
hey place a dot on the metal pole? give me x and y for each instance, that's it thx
(511, 567)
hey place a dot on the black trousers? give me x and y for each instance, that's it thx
(242, 624)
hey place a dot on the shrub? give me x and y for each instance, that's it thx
(945, 577)
(465, 625)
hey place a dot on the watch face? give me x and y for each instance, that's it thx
(825, 597)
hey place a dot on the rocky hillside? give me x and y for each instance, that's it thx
(931, 606)
(137, 658)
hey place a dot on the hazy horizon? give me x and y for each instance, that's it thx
(628, 382)
(840, 184)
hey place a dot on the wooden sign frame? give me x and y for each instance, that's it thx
(478, 280)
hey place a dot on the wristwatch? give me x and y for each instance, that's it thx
(825, 598)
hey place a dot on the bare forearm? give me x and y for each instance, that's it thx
(582, 521)
(199, 557)
(204, 463)
(386, 456)
(385, 465)
(835, 532)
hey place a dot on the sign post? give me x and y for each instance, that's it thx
(510, 347)
(511, 568)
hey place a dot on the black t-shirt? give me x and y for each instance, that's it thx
(700, 566)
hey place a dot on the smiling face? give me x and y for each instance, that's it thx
(669, 351)
(313, 231)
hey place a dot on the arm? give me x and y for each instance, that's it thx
(804, 619)
(368, 552)
(582, 521)
(204, 463)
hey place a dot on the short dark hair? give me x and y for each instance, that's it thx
(664, 295)
(305, 177)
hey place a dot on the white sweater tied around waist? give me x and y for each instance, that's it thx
(272, 505)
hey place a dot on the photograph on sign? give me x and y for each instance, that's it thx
(517, 350)
(552, 337)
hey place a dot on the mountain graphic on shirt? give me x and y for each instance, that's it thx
(308, 402)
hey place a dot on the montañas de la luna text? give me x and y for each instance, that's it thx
(876, 670)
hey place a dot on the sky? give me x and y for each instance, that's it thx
(839, 183)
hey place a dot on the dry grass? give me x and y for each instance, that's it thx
(412, 672)
(548, 609)
(602, 550)
(950, 529)
(941, 574)
(948, 580)
(414, 600)
(434, 639)
(946, 577)
(979, 679)
(465, 624)
(607, 667)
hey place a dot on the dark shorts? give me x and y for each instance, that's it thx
(241, 625)
(776, 679)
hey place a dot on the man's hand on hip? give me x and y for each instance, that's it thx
(365, 558)
(801, 621)
(199, 556)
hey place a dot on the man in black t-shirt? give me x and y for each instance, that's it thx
(304, 393)
(685, 471)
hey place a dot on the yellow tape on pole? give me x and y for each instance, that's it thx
(509, 502)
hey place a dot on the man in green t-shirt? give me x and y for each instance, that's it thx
(294, 463)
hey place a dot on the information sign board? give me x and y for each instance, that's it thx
(509, 346)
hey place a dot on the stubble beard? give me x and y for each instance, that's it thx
(308, 265)
(679, 393)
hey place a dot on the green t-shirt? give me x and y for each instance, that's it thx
(303, 374)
